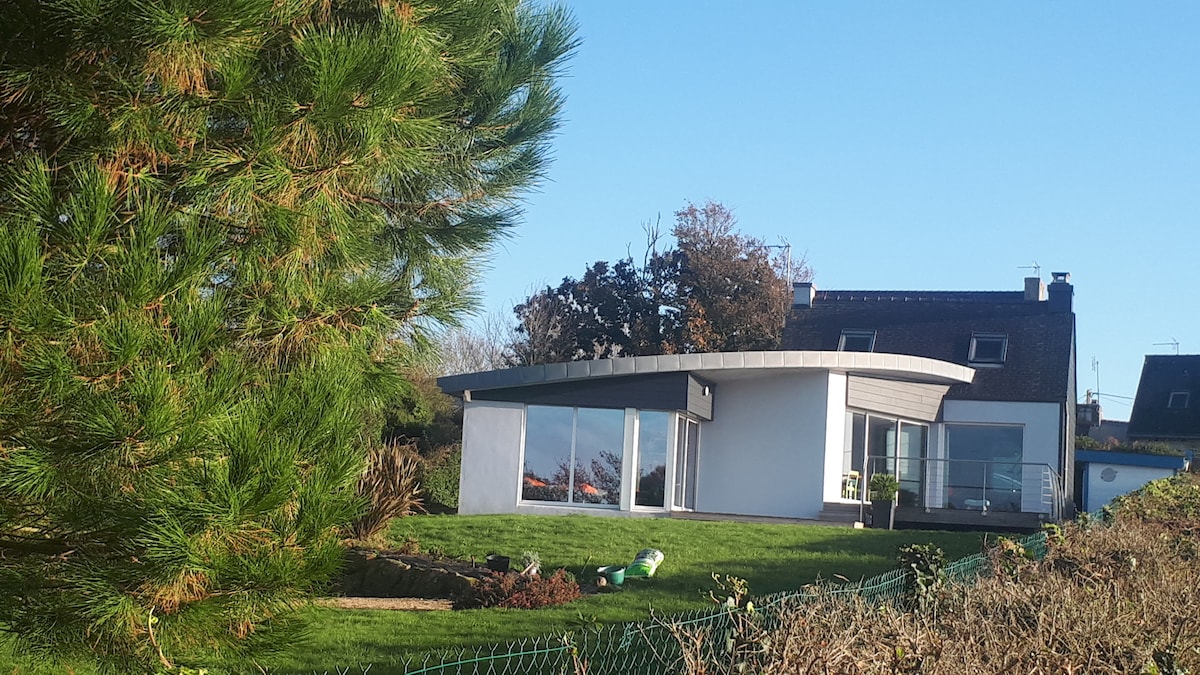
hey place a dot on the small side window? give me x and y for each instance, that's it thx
(988, 348)
(1178, 400)
(857, 341)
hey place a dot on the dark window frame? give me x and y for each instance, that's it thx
(1186, 396)
(974, 358)
(573, 496)
(857, 334)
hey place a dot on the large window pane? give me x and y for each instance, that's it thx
(909, 467)
(599, 439)
(547, 471)
(654, 438)
(985, 467)
(881, 444)
(856, 442)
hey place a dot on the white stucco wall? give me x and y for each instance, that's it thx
(835, 437)
(1040, 439)
(491, 457)
(764, 451)
(1125, 479)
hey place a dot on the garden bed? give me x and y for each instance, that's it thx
(371, 573)
(394, 580)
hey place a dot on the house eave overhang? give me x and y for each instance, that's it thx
(718, 366)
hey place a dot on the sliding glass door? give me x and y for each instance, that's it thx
(687, 441)
(883, 444)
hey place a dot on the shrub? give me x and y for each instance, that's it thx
(927, 563)
(1113, 599)
(440, 474)
(1138, 447)
(390, 485)
(1167, 500)
(517, 591)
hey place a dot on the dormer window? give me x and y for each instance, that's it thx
(857, 341)
(988, 349)
(1178, 400)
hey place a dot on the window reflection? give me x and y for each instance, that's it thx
(599, 440)
(654, 432)
(548, 436)
(573, 455)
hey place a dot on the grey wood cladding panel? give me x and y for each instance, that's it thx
(903, 399)
(666, 391)
(700, 398)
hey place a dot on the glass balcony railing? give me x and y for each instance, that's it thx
(978, 485)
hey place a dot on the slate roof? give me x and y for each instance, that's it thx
(1039, 366)
(1162, 375)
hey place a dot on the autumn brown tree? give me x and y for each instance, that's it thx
(716, 289)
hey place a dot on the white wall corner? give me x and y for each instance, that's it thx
(835, 436)
(490, 479)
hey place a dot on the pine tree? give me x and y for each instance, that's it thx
(223, 223)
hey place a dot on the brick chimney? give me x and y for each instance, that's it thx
(803, 293)
(1061, 292)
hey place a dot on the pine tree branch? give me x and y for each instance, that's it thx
(28, 547)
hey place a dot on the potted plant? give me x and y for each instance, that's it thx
(497, 563)
(883, 487)
(531, 563)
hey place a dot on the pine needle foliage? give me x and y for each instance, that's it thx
(223, 224)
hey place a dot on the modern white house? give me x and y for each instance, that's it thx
(967, 397)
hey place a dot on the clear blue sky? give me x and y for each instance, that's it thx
(900, 145)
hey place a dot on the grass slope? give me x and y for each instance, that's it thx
(772, 557)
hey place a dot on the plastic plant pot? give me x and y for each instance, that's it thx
(614, 574)
(497, 563)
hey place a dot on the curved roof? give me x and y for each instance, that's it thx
(718, 366)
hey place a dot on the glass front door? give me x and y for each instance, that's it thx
(687, 441)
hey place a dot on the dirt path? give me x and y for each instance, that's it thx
(399, 604)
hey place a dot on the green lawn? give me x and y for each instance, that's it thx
(772, 557)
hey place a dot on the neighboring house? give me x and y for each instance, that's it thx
(1108, 431)
(1166, 411)
(1167, 406)
(1106, 475)
(968, 397)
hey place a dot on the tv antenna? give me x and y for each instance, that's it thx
(1096, 369)
(1037, 269)
(1173, 343)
